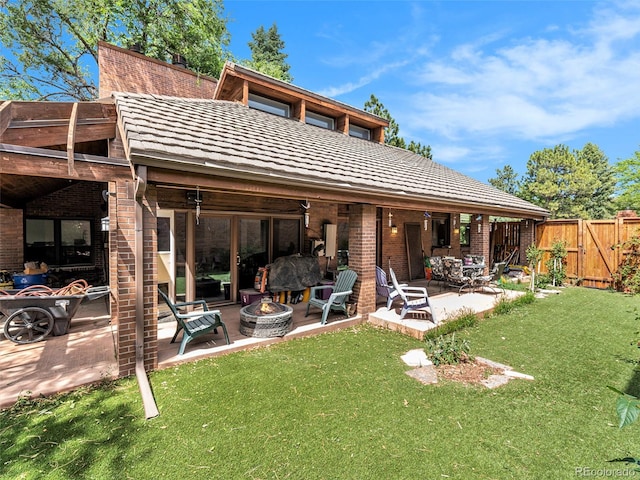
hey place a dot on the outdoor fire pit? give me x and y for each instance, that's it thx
(265, 319)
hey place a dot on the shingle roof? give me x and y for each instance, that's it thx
(229, 137)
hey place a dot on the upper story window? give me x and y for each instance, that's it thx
(318, 120)
(359, 132)
(269, 105)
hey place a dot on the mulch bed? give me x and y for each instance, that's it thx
(467, 372)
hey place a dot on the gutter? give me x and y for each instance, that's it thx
(148, 402)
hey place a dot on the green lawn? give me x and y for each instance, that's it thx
(339, 406)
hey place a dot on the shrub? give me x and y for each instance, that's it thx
(465, 318)
(556, 264)
(448, 350)
(505, 306)
(627, 276)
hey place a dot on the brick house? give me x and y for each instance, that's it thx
(182, 180)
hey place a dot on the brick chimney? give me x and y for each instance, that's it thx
(123, 70)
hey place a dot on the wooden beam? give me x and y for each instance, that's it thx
(23, 111)
(228, 185)
(38, 166)
(71, 138)
(5, 117)
(245, 93)
(57, 135)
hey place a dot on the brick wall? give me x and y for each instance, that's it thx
(394, 247)
(11, 240)
(480, 240)
(123, 278)
(122, 274)
(319, 215)
(362, 256)
(527, 237)
(123, 70)
(150, 280)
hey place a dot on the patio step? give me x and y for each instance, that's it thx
(448, 305)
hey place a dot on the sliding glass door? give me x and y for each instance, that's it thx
(212, 267)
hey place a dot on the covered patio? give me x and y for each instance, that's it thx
(87, 354)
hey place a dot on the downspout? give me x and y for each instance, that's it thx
(148, 402)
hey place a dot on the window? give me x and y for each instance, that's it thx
(359, 132)
(465, 229)
(319, 120)
(58, 241)
(440, 231)
(286, 237)
(164, 234)
(269, 105)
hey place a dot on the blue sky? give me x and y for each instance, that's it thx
(484, 83)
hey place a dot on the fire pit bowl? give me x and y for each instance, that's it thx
(265, 319)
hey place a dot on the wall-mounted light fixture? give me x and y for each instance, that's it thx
(390, 221)
(106, 194)
(426, 221)
(195, 197)
(479, 218)
(394, 229)
(306, 206)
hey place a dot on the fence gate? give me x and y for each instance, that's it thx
(592, 257)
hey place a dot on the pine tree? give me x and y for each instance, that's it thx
(506, 180)
(391, 133)
(560, 181)
(267, 54)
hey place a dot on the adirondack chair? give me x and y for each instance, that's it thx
(196, 323)
(340, 292)
(384, 289)
(413, 298)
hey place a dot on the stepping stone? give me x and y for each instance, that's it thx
(495, 381)
(425, 375)
(416, 358)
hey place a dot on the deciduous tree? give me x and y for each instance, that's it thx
(53, 43)
(627, 173)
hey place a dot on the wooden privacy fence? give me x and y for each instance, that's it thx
(592, 256)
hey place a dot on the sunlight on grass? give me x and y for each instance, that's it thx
(339, 406)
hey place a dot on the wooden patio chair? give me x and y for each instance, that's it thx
(340, 292)
(384, 289)
(196, 323)
(413, 298)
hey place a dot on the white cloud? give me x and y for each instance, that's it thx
(536, 89)
(348, 87)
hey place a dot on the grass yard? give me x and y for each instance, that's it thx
(339, 406)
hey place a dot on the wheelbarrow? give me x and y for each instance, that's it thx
(30, 318)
